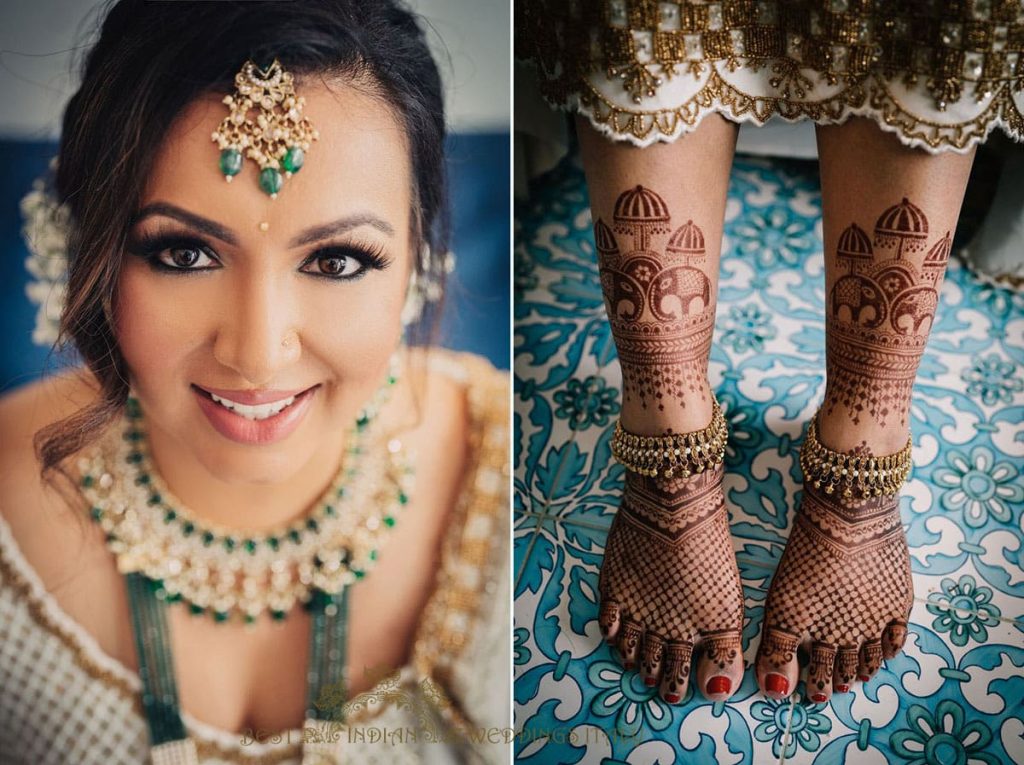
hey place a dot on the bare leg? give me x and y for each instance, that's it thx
(669, 582)
(889, 216)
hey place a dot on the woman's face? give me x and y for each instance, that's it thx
(233, 306)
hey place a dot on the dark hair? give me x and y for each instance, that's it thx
(151, 61)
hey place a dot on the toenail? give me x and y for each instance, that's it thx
(672, 698)
(863, 678)
(718, 684)
(819, 698)
(842, 688)
(776, 684)
(650, 682)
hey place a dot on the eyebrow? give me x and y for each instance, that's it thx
(225, 234)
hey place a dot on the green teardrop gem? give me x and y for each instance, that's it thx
(231, 162)
(293, 159)
(271, 180)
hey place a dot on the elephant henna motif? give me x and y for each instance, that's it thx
(659, 302)
(880, 314)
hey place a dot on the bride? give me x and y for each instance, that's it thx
(265, 520)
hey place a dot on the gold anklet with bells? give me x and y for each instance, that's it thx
(852, 475)
(674, 454)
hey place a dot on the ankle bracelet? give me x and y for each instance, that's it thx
(674, 454)
(862, 475)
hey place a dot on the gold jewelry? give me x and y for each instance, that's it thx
(861, 474)
(674, 454)
(279, 137)
(221, 571)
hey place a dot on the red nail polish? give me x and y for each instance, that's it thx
(842, 688)
(650, 682)
(629, 666)
(776, 684)
(718, 684)
(819, 698)
(863, 678)
(672, 698)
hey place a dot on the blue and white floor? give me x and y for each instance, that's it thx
(955, 695)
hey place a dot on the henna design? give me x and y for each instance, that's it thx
(845, 580)
(777, 648)
(629, 642)
(669, 566)
(721, 650)
(660, 304)
(846, 668)
(677, 671)
(653, 654)
(819, 673)
(870, 660)
(880, 313)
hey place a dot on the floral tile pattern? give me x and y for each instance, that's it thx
(954, 695)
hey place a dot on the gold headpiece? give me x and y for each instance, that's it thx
(279, 137)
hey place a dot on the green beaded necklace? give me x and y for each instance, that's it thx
(220, 571)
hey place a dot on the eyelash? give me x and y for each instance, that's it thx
(151, 246)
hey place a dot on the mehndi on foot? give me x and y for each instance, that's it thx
(669, 584)
(844, 580)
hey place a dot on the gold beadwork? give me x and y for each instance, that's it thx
(674, 454)
(278, 137)
(861, 474)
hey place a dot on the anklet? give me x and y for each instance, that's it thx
(674, 454)
(863, 475)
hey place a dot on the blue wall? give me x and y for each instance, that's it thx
(477, 312)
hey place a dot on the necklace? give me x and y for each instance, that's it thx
(220, 571)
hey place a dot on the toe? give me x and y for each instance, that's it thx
(608, 620)
(629, 643)
(777, 667)
(676, 674)
(720, 666)
(846, 668)
(652, 658)
(893, 638)
(870, 660)
(819, 672)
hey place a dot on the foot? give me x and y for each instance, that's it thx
(844, 582)
(670, 588)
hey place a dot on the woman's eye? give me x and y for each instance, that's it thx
(186, 258)
(338, 266)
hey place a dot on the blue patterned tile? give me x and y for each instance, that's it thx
(954, 695)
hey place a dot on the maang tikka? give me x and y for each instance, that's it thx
(279, 137)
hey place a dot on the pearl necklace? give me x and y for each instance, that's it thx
(221, 571)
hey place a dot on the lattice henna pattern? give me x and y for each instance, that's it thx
(660, 304)
(845, 581)
(670, 581)
(880, 312)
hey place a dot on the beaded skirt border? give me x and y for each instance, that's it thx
(941, 77)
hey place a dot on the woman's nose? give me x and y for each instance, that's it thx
(258, 337)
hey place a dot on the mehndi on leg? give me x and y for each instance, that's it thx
(844, 580)
(670, 588)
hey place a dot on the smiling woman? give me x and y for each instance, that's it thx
(266, 519)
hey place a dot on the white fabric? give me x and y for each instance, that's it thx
(64, 701)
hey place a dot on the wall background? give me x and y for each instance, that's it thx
(39, 41)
